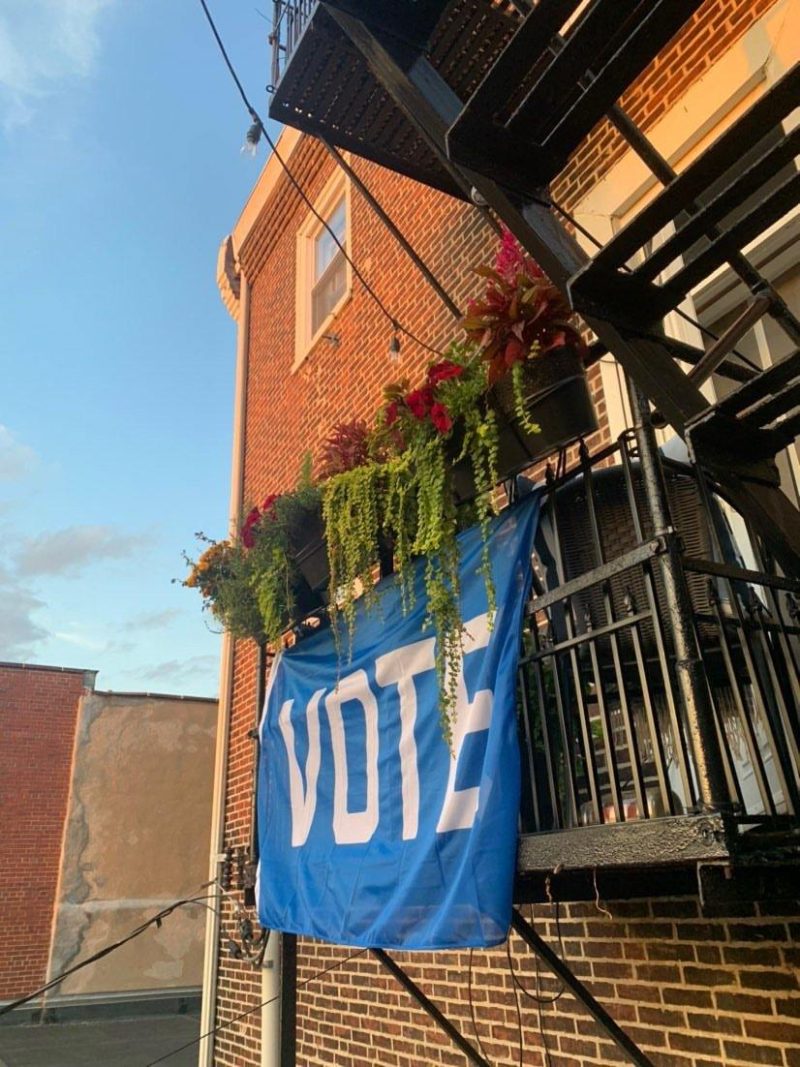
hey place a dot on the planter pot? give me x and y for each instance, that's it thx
(307, 601)
(557, 398)
(462, 479)
(311, 552)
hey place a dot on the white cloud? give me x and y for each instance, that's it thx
(19, 633)
(43, 43)
(16, 459)
(152, 620)
(175, 673)
(80, 641)
(71, 550)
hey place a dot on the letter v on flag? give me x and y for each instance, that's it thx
(372, 831)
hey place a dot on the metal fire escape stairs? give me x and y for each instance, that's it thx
(538, 100)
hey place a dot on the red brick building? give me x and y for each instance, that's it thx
(693, 983)
(85, 857)
(39, 709)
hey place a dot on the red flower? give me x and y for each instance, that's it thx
(444, 371)
(512, 260)
(440, 417)
(391, 414)
(268, 507)
(250, 523)
(419, 402)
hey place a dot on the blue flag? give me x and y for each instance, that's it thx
(372, 831)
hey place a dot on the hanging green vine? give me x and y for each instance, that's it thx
(392, 486)
(521, 400)
(352, 515)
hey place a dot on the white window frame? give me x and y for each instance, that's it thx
(306, 337)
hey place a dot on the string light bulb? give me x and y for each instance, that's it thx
(394, 344)
(252, 138)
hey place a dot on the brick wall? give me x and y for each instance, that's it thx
(38, 716)
(715, 28)
(694, 990)
(291, 412)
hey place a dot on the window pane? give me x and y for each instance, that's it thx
(325, 248)
(328, 291)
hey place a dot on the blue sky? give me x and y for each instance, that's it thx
(120, 173)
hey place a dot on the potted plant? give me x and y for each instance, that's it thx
(535, 356)
(255, 584)
(223, 576)
(401, 492)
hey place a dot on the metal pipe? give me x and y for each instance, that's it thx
(255, 734)
(427, 1005)
(288, 985)
(689, 670)
(271, 996)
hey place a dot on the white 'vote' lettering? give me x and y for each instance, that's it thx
(399, 667)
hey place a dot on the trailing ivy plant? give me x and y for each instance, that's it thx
(353, 518)
(271, 536)
(393, 485)
(424, 432)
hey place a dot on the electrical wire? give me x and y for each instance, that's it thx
(481, 1049)
(395, 323)
(257, 1007)
(154, 920)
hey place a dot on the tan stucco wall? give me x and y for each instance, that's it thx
(136, 839)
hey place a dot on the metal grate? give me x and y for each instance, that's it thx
(289, 20)
(605, 734)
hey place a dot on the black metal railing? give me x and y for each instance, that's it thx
(606, 733)
(289, 19)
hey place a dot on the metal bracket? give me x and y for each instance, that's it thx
(427, 1005)
(629, 1049)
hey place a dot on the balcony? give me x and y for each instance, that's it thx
(645, 754)
(610, 752)
(324, 86)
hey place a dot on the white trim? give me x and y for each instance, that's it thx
(272, 1003)
(772, 253)
(270, 175)
(337, 186)
(211, 953)
(790, 451)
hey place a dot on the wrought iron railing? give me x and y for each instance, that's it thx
(606, 733)
(289, 19)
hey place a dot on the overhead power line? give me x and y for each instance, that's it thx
(255, 1008)
(154, 920)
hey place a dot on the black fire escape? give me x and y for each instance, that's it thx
(660, 682)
